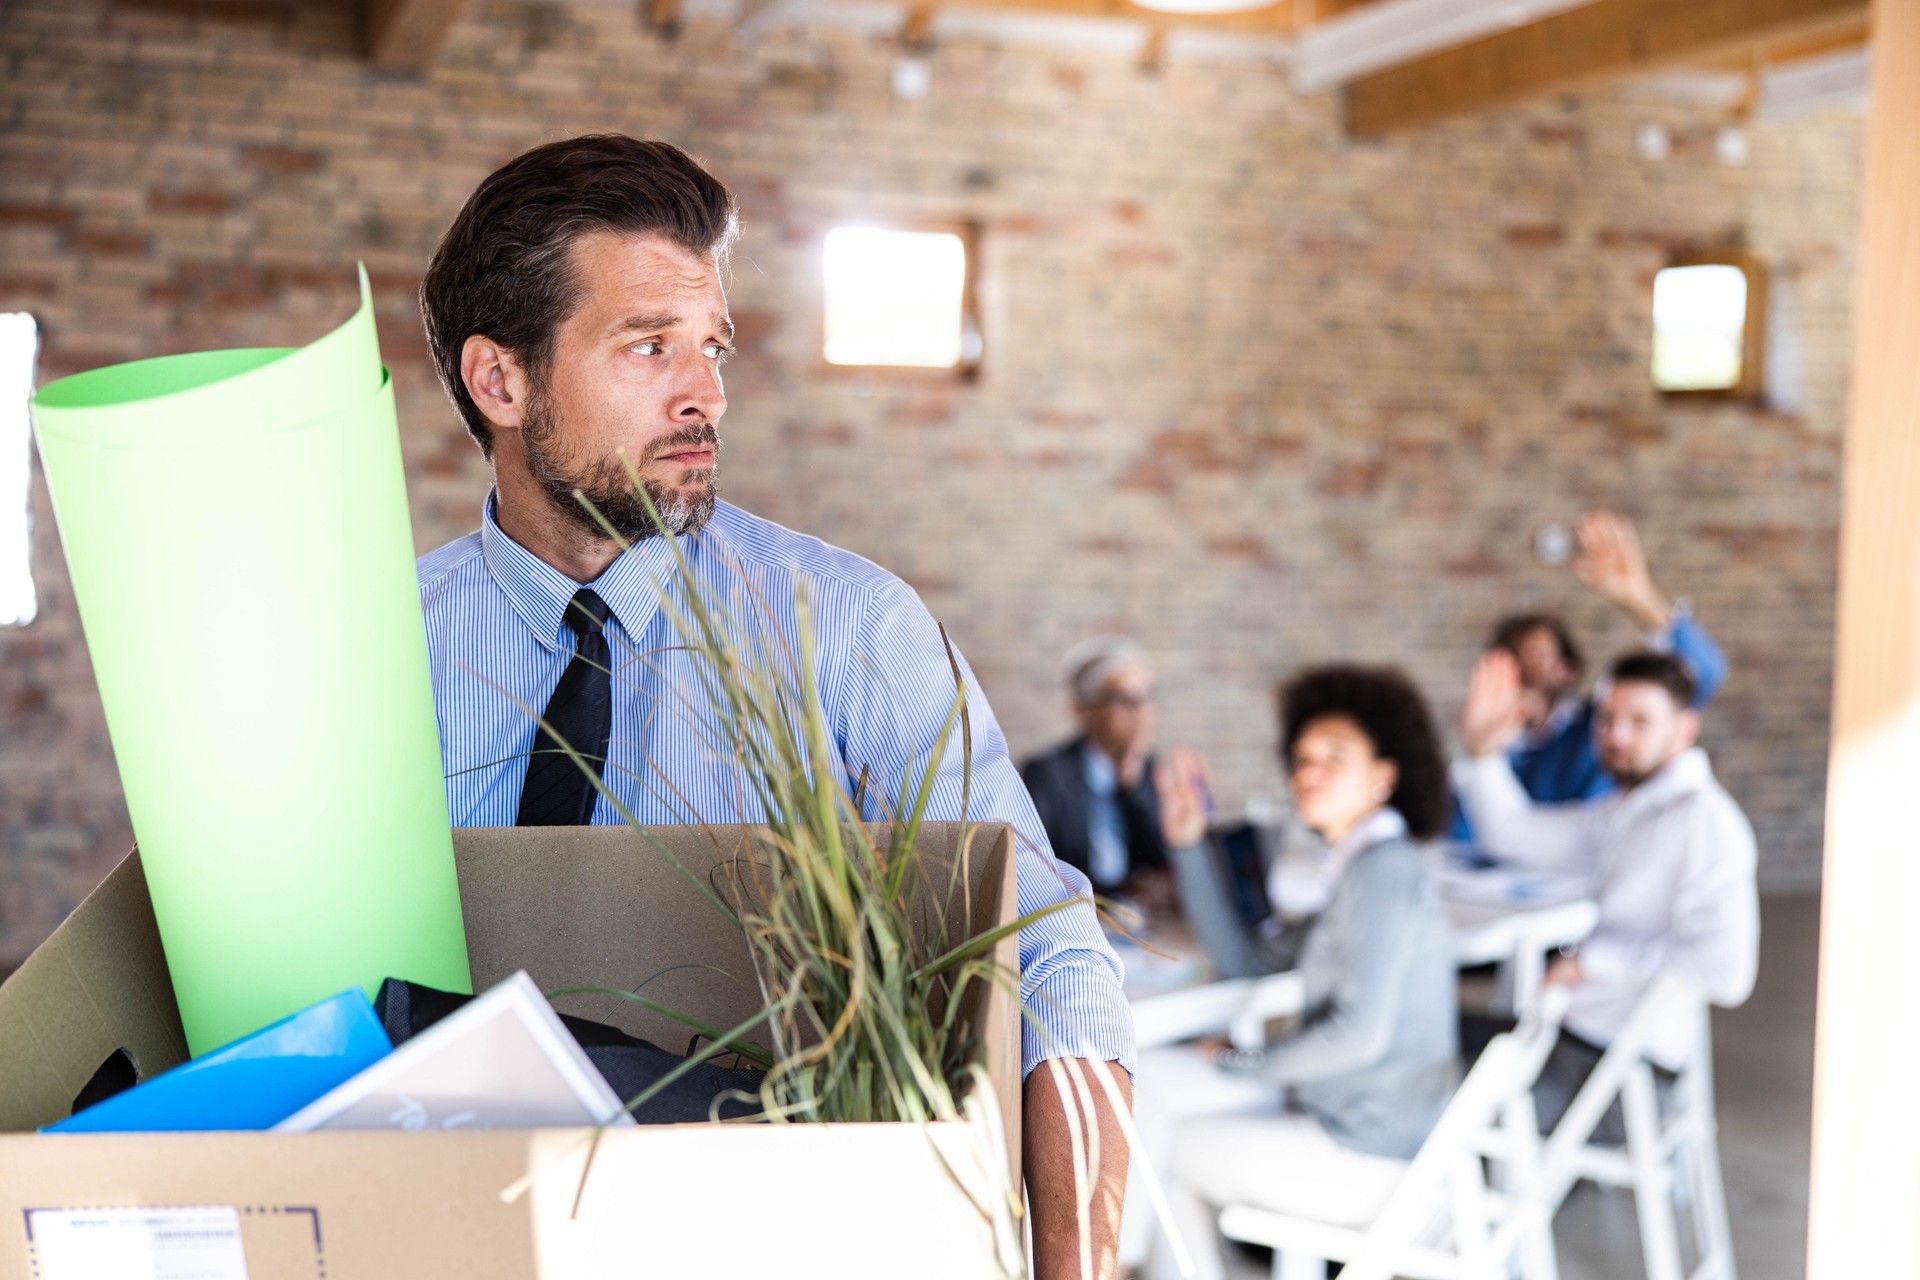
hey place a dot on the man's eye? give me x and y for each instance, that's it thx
(716, 351)
(645, 348)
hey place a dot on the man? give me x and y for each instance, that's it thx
(1554, 759)
(1096, 793)
(1668, 853)
(576, 315)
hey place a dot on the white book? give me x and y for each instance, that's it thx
(504, 1060)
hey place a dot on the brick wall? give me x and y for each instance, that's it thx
(1259, 395)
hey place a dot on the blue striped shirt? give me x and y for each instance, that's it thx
(497, 642)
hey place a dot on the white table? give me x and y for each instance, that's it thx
(1496, 918)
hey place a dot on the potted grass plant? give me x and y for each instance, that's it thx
(863, 966)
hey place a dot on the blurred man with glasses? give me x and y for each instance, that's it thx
(1095, 793)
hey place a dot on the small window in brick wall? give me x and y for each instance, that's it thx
(1709, 314)
(901, 297)
(19, 345)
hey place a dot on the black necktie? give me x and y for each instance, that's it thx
(557, 792)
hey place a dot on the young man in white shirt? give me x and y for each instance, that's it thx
(1669, 856)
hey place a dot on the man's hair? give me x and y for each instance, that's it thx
(1089, 664)
(1390, 711)
(1511, 630)
(502, 269)
(1663, 669)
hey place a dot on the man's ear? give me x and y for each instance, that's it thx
(496, 382)
(1686, 731)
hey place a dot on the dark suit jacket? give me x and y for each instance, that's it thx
(1057, 780)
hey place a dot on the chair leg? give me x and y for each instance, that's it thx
(1711, 1230)
(1288, 1265)
(1652, 1189)
(1538, 1261)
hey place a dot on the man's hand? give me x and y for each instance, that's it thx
(1612, 563)
(1496, 707)
(1565, 972)
(1182, 781)
(1047, 1151)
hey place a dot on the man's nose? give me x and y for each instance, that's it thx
(699, 396)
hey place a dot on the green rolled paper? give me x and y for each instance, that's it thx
(236, 526)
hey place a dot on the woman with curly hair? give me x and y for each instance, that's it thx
(1321, 1120)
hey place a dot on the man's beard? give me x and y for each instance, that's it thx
(1627, 774)
(684, 508)
(1626, 779)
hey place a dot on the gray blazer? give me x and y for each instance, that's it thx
(1373, 1057)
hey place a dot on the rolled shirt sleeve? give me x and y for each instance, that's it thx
(1688, 641)
(893, 714)
(1512, 827)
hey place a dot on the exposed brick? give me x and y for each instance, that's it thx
(1536, 235)
(1560, 133)
(108, 244)
(1239, 546)
(1352, 478)
(283, 160)
(14, 286)
(1142, 255)
(37, 215)
(202, 200)
(823, 433)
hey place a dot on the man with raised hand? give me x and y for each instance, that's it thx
(576, 313)
(1668, 856)
(1554, 758)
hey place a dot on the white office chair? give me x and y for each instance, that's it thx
(1443, 1220)
(1686, 1137)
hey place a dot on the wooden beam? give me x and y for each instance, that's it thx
(1578, 47)
(916, 33)
(1799, 47)
(661, 17)
(1340, 50)
(1275, 19)
(1153, 51)
(1866, 1130)
(407, 33)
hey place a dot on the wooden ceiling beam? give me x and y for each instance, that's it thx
(1799, 47)
(407, 33)
(1273, 20)
(1578, 47)
(916, 33)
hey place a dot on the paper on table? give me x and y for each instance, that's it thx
(504, 1060)
(236, 527)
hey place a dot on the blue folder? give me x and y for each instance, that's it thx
(253, 1083)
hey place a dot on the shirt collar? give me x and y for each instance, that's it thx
(1102, 778)
(1688, 771)
(1381, 825)
(539, 592)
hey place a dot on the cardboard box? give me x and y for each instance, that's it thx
(587, 906)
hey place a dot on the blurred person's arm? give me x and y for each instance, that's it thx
(1688, 641)
(1506, 822)
(1613, 563)
(1199, 876)
(1510, 826)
